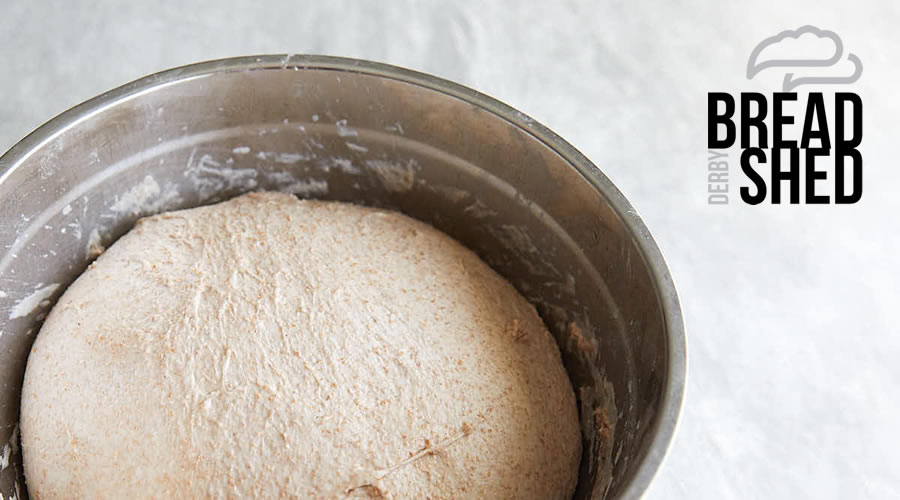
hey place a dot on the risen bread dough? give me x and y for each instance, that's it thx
(268, 347)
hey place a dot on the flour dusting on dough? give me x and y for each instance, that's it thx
(239, 326)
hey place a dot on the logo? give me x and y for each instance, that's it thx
(801, 139)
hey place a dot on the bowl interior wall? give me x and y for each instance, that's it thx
(357, 137)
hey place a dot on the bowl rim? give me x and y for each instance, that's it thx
(664, 429)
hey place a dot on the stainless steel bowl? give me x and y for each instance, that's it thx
(507, 187)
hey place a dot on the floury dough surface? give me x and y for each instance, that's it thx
(268, 347)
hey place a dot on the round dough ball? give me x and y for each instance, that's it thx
(268, 347)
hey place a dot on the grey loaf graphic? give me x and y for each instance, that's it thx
(807, 47)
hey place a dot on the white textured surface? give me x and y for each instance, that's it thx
(794, 380)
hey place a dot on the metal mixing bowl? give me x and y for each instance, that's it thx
(507, 187)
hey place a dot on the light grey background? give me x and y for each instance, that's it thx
(794, 379)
